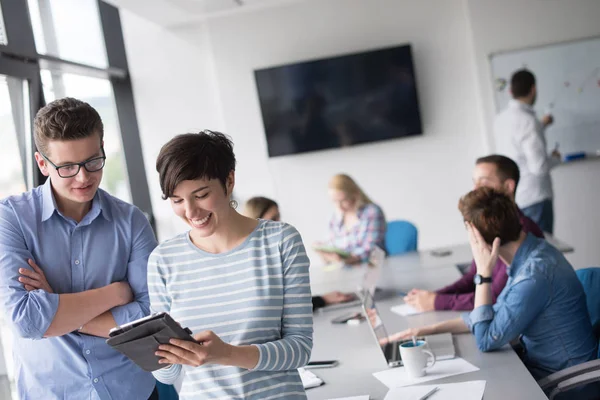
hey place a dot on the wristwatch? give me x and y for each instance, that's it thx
(478, 279)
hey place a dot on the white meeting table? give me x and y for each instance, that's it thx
(359, 356)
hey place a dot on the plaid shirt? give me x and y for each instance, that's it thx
(360, 238)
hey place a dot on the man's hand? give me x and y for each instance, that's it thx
(485, 255)
(422, 300)
(337, 297)
(556, 154)
(405, 334)
(547, 120)
(33, 280)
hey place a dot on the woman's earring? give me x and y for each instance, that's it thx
(233, 204)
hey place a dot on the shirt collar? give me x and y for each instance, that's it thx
(528, 245)
(48, 202)
(99, 204)
(339, 217)
(519, 104)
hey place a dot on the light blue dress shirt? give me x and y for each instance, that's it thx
(543, 302)
(112, 243)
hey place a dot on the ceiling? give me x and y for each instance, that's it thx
(178, 13)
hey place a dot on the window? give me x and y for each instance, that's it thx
(98, 93)
(3, 40)
(68, 29)
(16, 177)
(14, 126)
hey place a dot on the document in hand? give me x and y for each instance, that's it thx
(139, 340)
(331, 249)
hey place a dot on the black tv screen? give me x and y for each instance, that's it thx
(339, 101)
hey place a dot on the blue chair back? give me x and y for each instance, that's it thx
(401, 237)
(590, 279)
(166, 392)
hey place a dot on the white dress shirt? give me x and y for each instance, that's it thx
(520, 136)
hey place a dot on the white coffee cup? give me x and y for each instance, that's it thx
(415, 356)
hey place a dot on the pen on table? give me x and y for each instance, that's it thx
(430, 393)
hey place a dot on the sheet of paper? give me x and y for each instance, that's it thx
(309, 379)
(397, 377)
(471, 390)
(405, 310)
(365, 397)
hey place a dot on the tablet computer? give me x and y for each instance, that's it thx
(139, 339)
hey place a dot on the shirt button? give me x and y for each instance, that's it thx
(87, 352)
(76, 262)
(96, 380)
(494, 337)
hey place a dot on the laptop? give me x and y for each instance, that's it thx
(368, 283)
(441, 345)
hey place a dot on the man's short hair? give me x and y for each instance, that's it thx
(65, 119)
(493, 213)
(521, 83)
(203, 155)
(506, 167)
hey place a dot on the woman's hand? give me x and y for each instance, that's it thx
(208, 349)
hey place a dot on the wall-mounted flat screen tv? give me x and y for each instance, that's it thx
(339, 101)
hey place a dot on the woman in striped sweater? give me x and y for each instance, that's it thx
(241, 285)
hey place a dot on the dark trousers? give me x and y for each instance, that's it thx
(154, 395)
(541, 213)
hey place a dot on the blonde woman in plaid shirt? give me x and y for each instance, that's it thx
(358, 224)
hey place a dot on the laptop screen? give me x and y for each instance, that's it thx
(375, 322)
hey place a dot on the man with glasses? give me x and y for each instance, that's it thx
(72, 266)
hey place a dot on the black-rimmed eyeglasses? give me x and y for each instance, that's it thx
(70, 170)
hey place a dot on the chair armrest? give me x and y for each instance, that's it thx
(579, 380)
(556, 378)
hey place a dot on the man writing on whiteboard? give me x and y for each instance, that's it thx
(523, 135)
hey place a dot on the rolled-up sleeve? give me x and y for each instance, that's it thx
(143, 243)
(496, 326)
(160, 301)
(293, 350)
(29, 313)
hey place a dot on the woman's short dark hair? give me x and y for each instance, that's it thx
(203, 155)
(257, 207)
(493, 213)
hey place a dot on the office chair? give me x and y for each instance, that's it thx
(589, 372)
(401, 237)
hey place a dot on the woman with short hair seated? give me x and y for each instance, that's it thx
(357, 226)
(543, 302)
(264, 208)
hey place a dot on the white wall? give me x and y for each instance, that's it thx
(513, 24)
(419, 178)
(175, 92)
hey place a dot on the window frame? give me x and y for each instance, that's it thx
(19, 58)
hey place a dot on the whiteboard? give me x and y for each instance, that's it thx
(568, 83)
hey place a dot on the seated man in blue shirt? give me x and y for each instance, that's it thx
(543, 302)
(73, 263)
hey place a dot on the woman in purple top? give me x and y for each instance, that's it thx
(499, 173)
